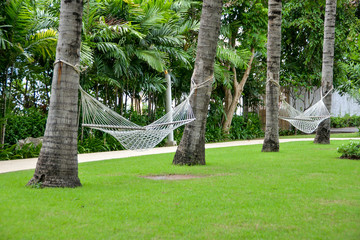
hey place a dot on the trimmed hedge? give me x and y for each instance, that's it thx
(346, 121)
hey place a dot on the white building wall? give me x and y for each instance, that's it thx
(341, 105)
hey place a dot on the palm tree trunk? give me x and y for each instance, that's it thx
(57, 165)
(191, 150)
(271, 141)
(323, 131)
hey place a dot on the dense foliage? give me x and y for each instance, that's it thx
(27, 123)
(15, 152)
(350, 150)
(345, 121)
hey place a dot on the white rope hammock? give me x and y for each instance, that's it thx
(132, 136)
(307, 121)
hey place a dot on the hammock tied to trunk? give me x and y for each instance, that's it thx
(96, 115)
(307, 121)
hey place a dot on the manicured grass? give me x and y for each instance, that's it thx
(303, 192)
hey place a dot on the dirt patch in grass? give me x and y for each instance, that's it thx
(172, 177)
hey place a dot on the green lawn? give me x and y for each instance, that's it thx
(303, 192)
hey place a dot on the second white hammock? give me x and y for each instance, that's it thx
(307, 121)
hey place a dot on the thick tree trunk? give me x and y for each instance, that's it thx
(271, 141)
(323, 131)
(191, 150)
(57, 165)
(231, 101)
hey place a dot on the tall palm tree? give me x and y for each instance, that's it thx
(25, 36)
(57, 165)
(191, 150)
(323, 131)
(271, 141)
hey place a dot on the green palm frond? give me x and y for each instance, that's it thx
(183, 6)
(12, 8)
(136, 33)
(4, 43)
(121, 67)
(189, 26)
(42, 44)
(154, 58)
(237, 58)
(110, 81)
(42, 19)
(178, 55)
(86, 54)
(152, 17)
(166, 34)
(107, 47)
(103, 32)
(222, 75)
(151, 83)
(17, 15)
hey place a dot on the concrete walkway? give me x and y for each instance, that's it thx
(30, 163)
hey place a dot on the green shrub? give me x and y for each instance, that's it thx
(345, 121)
(286, 132)
(350, 150)
(98, 142)
(15, 152)
(241, 128)
(26, 123)
(246, 128)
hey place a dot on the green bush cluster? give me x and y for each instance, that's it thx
(241, 128)
(345, 121)
(26, 123)
(350, 150)
(16, 152)
(246, 128)
(97, 141)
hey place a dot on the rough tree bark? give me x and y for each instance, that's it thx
(323, 131)
(57, 165)
(231, 100)
(191, 150)
(271, 141)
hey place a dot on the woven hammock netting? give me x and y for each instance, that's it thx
(132, 136)
(307, 121)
